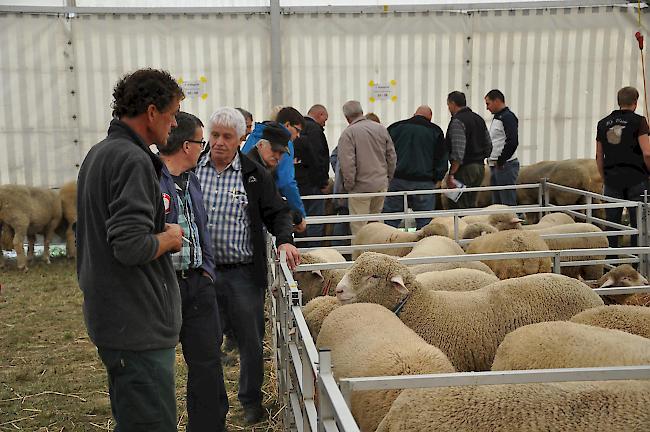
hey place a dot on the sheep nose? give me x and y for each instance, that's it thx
(339, 290)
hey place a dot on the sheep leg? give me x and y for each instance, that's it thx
(31, 240)
(19, 237)
(71, 247)
(47, 238)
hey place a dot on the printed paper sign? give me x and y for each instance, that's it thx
(195, 89)
(382, 91)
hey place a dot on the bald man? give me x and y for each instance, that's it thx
(421, 163)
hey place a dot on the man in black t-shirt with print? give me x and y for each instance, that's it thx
(623, 156)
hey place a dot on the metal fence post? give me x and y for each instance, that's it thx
(325, 409)
(642, 227)
(588, 212)
(556, 264)
(455, 227)
(546, 191)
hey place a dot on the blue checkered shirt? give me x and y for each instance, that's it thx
(226, 203)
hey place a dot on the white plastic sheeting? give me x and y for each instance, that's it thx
(559, 69)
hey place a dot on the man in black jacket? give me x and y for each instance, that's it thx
(311, 162)
(468, 142)
(241, 199)
(421, 163)
(131, 296)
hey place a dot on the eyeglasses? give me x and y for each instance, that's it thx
(204, 143)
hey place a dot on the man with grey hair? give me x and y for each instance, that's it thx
(241, 200)
(367, 159)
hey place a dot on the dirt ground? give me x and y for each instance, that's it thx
(51, 378)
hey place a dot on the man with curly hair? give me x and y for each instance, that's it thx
(131, 296)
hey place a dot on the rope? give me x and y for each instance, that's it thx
(639, 38)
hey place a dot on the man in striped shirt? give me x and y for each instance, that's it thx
(241, 200)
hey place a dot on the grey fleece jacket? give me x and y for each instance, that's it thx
(131, 300)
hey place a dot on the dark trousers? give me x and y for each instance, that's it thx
(395, 204)
(632, 193)
(207, 401)
(142, 389)
(312, 208)
(471, 175)
(241, 300)
(341, 228)
(505, 176)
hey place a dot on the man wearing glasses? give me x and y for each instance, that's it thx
(200, 337)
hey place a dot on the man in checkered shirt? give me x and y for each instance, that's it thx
(241, 200)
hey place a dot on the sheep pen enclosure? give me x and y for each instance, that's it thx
(317, 400)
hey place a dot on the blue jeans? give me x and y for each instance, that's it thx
(505, 176)
(312, 208)
(207, 401)
(632, 193)
(395, 204)
(241, 302)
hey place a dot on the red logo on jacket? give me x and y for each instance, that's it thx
(167, 200)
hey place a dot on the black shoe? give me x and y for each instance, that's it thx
(254, 414)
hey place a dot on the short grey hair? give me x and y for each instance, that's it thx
(228, 117)
(352, 109)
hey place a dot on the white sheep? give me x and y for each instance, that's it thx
(553, 407)
(459, 279)
(512, 241)
(380, 233)
(466, 326)
(448, 223)
(549, 220)
(319, 282)
(501, 221)
(26, 211)
(441, 266)
(631, 319)
(68, 194)
(477, 229)
(588, 272)
(623, 275)
(435, 246)
(316, 310)
(565, 344)
(369, 340)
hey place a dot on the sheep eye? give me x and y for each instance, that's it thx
(375, 276)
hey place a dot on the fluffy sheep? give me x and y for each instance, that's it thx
(316, 311)
(550, 220)
(27, 211)
(380, 233)
(623, 275)
(435, 246)
(448, 223)
(68, 194)
(553, 407)
(459, 279)
(588, 272)
(466, 326)
(441, 266)
(477, 229)
(631, 319)
(319, 282)
(512, 241)
(501, 221)
(564, 344)
(369, 340)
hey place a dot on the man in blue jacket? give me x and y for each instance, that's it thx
(207, 401)
(284, 175)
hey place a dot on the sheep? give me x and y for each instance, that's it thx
(28, 211)
(512, 241)
(551, 407)
(68, 194)
(369, 340)
(448, 223)
(631, 319)
(622, 276)
(565, 344)
(501, 221)
(380, 233)
(319, 282)
(550, 220)
(441, 266)
(459, 279)
(435, 246)
(466, 326)
(316, 310)
(477, 229)
(588, 272)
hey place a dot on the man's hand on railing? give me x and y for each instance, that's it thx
(293, 256)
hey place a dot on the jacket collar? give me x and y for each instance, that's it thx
(119, 128)
(462, 110)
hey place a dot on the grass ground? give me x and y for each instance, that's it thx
(51, 378)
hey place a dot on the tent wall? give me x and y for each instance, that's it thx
(559, 70)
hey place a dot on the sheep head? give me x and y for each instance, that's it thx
(375, 278)
(505, 221)
(433, 228)
(478, 229)
(622, 276)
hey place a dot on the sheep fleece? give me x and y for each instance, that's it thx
(630, 319)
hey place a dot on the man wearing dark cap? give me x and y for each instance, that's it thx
(271, 147)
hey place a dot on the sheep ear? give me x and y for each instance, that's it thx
(644, 280)
(398, 284)
(516, 220)
(318, 273)
(608, 283)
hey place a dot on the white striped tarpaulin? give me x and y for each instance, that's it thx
(559, 70)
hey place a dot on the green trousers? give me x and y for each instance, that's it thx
(471, 175)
